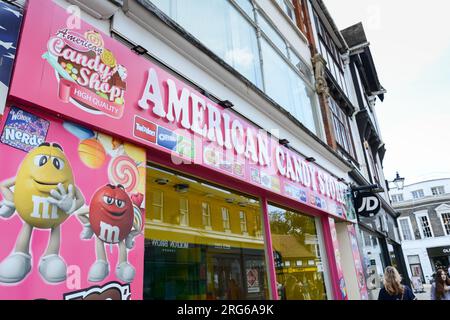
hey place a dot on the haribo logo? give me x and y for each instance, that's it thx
(88, 73)
(110, 291)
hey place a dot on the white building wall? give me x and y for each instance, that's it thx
(425, 186)
(419, 247)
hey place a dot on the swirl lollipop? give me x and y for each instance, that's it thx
(123, 170)
(95, 38)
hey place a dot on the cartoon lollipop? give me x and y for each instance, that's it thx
(123, 170)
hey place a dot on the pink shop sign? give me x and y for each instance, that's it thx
(91, 78)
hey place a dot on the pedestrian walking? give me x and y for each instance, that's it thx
(393, 289)
(440, 289)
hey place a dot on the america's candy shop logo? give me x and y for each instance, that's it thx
(23, 130)
(88, 74)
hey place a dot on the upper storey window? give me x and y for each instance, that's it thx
(329, 50)
(265, 58)
(288, 8)
(342, 129)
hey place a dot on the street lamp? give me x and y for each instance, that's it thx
(399, 182)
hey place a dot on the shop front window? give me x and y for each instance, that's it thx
(373, 263)
(299, 268)
(197, 250)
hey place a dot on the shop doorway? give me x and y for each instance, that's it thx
(226, 278)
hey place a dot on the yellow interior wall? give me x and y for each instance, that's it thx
(196, 232)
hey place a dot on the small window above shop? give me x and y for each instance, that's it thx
(397, 198)
(436, 191)
(418, 194)
(288, 8)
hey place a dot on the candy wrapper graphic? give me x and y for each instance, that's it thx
(23, 130)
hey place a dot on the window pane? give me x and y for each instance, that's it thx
(243, 55)
(272, 34)
(163, 5)
(287, 88)
(405, 229)
(446, 222)
(247, 7)
(413, 259)
(184, 261)
(231, 36)
(426, 228)
(298, 265)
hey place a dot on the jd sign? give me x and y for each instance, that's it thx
(367, 204)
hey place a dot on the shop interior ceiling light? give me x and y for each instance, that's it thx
(181, 187)
(161, 181)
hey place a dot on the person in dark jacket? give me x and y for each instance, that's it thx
(393, 289)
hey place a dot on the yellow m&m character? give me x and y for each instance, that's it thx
(44, 196)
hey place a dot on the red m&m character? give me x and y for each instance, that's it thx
(110, 217)
(111, 213)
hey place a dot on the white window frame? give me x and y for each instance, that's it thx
(206, 216)
(412, 194)
(397, 197)
(443, 209)
(409, 226)
(184, 212)
(420, 214)
(243, 222)
(258, 226)
(222, 210)
(289, 4)
(437, 188)
(159, 205)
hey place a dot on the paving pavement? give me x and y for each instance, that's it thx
(424, 295)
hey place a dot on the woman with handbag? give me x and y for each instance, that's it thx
(393, 289)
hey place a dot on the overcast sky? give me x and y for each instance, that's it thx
(410, 44)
